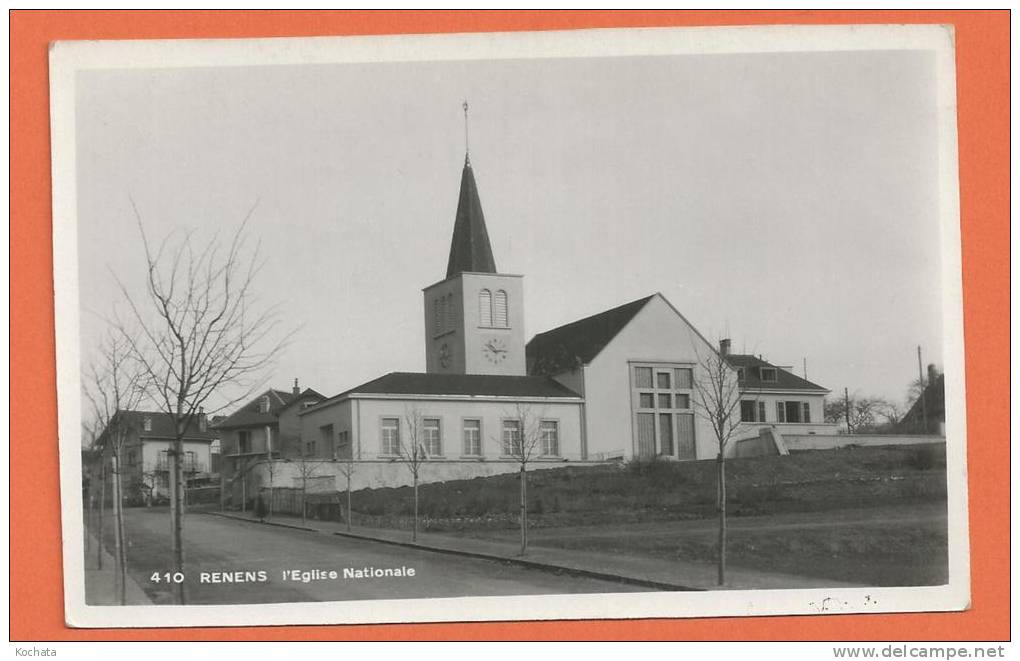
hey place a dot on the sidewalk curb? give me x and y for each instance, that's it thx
(531, 564)
(522, 562)
(266, 523)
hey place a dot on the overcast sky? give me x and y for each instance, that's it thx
(788, 201)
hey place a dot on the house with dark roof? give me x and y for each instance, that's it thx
(146, 454)
(773, 396)
(927, 413)
(264, 428)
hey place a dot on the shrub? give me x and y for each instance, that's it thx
(927, 457)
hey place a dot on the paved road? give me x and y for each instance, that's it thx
(216, 544)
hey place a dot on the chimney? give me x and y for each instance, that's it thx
(296, 390)
(933, 374)
(203, 424)
(724, 347)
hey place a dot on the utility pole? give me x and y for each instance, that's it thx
(846, 404)
(920, 377)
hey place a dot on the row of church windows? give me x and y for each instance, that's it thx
(547, 443)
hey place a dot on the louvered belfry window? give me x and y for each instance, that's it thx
(499, 310)
(485, 308)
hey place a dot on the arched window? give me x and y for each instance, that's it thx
(450, 313)
(499, 311)
(485, 308)
(437, 314)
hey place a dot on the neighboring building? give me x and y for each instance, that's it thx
(147, 454)
(266, 427)
(773, 396)
(929, 416)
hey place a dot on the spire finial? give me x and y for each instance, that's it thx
(467, 143)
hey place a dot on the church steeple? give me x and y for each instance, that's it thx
(470, 250)
(474, 319)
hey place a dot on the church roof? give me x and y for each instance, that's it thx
(491, 385)
(578, 343)
(470, 250)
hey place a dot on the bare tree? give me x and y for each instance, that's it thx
(201, 328)
(717, 401)
(522, 440)
(307, 468)
(411, 451)
(862, 414)
(113, 388)
(347, 468)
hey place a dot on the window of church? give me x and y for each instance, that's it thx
(485, 308)
(499, 310)
(663, 422)
(437, 316)
(512, 438)
(550, 435)
(431, 437)
(472, 438)
(391, 436)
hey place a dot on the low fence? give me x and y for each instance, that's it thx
(831, 442)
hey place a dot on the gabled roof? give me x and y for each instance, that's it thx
(934, 406)
(469, 250)
(752, 375)
(479, 385)
(162, 425)
(250, 414)
(578, 343)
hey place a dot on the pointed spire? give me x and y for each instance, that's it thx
(470, 249)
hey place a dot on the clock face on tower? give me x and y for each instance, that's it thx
(445, 356)
(495, 350)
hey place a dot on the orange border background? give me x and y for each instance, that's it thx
(982, 39)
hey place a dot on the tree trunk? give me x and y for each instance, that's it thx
(348, 502)
(524, 509)
(414, 529)
(304, 501)
(722, 518)
(178, 514)
(102, 506)
(118, 529)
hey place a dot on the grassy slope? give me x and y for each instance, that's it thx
(805, 481)
(666, 510)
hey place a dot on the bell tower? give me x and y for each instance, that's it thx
(474, 319)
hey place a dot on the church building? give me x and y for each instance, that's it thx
(616, 385)
(475, 410)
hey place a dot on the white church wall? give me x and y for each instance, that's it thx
(657, 334)
(452, 413)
